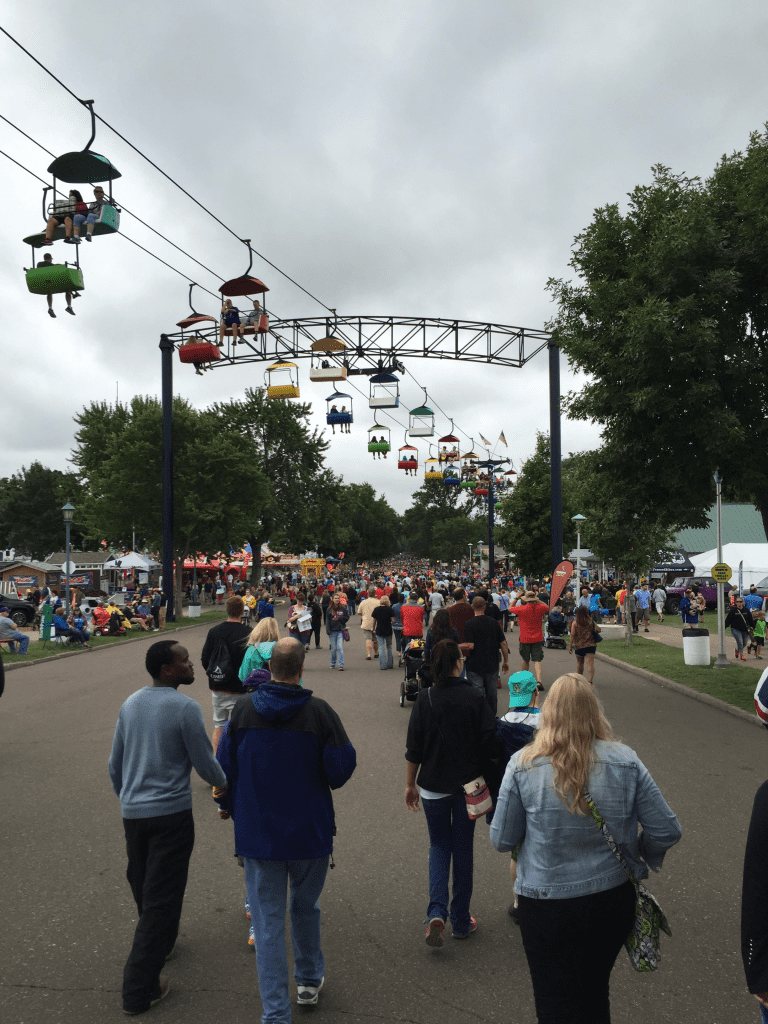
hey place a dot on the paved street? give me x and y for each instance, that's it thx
(68, 915)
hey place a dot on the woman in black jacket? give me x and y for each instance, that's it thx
(739, 619)
(451, 732)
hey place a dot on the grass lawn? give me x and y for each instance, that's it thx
(38, 649)
(735, 685)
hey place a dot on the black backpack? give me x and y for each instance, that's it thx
(221, 669)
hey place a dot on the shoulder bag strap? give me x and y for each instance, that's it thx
(615, 848)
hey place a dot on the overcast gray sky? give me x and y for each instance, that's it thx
(410, 158)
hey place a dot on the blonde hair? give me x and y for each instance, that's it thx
(571, 720)
(265, 630)
(385, 601)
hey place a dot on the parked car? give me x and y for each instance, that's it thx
(706, 585)
(22, 612)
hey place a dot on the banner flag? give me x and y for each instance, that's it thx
(560, 577)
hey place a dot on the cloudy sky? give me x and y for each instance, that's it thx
(409, 158)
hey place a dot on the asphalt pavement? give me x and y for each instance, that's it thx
(69, 917)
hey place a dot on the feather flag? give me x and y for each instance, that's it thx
(503, 439)
(486, 443)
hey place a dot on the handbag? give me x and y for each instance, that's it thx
(345, 634)
(643, 942)
(597, 637)
(477, 796)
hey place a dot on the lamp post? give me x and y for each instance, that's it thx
(69, 511)
(480, 558)
(469, 569)
(720, 661)
(578, 519)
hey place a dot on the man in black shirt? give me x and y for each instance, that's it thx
(223, 653)
(483, 639)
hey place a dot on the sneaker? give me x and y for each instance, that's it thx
(247, 909)
(251, 938)
(742, 657)
(165, 988)
(69, 241)
(472, 928)
(88, 237)
(70, 310)
(47, 241)
(435, 930)
(513, 913)
(308, 993)
(51, 313)
(736, 652)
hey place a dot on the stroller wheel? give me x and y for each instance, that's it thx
(402, 694)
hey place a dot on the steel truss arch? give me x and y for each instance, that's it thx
(373, 340)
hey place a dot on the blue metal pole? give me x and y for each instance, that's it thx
(166, 348)
(555, 456)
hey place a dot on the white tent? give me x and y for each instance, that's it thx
(754, 557)
(130, 561)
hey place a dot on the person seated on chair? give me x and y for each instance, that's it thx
(76, 201)
(412, 469)
(334, 412)
(230, 317)
(47, 261)
(76, 621)
(251, 318)
(64, 629)
(93, 214)
(345, 426)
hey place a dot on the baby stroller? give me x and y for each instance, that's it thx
(414, 678)
(557, 627)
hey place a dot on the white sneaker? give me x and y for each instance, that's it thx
(308, 994)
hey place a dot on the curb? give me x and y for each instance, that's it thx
(93, 650)
(686, 691)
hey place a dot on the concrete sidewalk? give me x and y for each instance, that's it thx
(670, 632)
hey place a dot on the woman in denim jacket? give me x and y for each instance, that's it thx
(575, 903)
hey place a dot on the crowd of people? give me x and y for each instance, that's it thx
(272, 736)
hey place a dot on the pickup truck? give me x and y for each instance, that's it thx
(706, 585)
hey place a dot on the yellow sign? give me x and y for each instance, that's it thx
(312, 566)
(721, 572)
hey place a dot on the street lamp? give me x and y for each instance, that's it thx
(469, 568)
(578, 519)
(720, 661)
(68, 511)
(480, 558)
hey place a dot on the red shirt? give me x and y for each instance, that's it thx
(459, 614)
(530, 616)
(319, 589)
(412, 617)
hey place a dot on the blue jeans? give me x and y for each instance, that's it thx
(337, 649)
(267, 884)
(741, 639)
(451, 836)
(763, 1014)
(398, 635)
(21, 638)
(351, 607)
(487, 683)
(385, 652)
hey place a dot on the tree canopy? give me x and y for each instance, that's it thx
(669, 320)
(31, 520)
(425, 524)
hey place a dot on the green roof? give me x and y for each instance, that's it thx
(742, 524)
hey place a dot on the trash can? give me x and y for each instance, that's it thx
(696, 647)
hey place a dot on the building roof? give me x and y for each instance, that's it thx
(30, 563)
(742, 524)
(80, 558)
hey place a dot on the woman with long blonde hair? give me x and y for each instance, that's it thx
(575, 902)
(261, 640)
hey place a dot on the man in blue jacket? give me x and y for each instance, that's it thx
(283, 752)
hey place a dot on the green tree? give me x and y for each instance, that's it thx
(451, 537)
(370, 527)
(216, 481)
(434, 504)
(524, 520)
(301, 495)
(668, 319)
(30, 510)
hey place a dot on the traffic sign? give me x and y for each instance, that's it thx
(721, 572)
(68, 568)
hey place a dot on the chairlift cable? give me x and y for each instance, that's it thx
(164, 173)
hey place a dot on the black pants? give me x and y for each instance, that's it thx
(156, 616)
(571, 946)
(505, 621)
(158, 861)
(316, 631)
